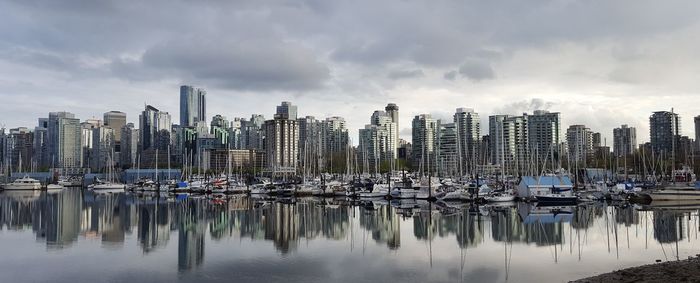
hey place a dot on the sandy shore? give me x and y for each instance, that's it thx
(671, 271)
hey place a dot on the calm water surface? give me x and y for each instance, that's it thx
(76, 236)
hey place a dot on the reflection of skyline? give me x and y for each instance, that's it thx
(61, 219)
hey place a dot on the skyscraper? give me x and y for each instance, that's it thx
(543, 133)
(377, 141)
(282, 140)
(579, 140)
(102, 155)
(310, 142)
(448, 159)
(252, 132)
(129, 145)
(153, 123)
(468, 130)
(424, 140)
(334, 137)
(697, 133)
(193, 106)
(286, 111)
(664, 129)
(392, 110)
(41, 143)
(508, 138)
(20, 144)
(219, 127)
(624, 140)
(115, 120)
(64, 140)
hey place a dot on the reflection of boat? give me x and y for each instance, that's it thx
(53, 187)
(675, 193)
(22, 196)
(556, 199)
(24, 183)
(531, 213)
(378, 191)
(682, 204)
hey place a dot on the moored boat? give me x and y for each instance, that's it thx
(23, 184)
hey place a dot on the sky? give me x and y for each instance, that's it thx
(599, 63)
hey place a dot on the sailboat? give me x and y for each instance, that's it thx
(109, 185)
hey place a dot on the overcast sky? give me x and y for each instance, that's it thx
(600, 63)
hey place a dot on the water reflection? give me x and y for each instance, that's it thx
(61, 219)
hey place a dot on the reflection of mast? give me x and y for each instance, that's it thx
(607, 228)
(430, 223)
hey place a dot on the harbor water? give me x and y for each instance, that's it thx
(76, 235)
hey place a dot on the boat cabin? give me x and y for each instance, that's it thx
(532, 186)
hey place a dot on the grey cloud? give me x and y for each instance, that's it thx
(477, 70)
(406, 74)
(450, 76)
(524, 106)
(240, 65)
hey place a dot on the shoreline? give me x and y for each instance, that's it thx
(669, 271)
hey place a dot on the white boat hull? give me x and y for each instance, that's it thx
(22, 187)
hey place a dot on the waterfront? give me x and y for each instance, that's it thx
(75, 235)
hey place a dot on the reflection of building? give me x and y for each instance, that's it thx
(668, 226)
(384, 224)
(154, 225)
(543, 226)
(190, 246)
(60, 218)
(282, 227)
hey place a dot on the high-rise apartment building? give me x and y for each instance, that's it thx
(20, 145)
(102, 155)
(508, 138)
(154, 125)
(64, 143)
(425, 133)
(41, 143)
(579, 140)
(282, 140)
(543, 133)
(334, 137)
(377, 142)
(193, 106)
(129, 146)
(697, 133)
(447, 150)
(115, 120)
(624, 140)
(664, 130)
(468, 131)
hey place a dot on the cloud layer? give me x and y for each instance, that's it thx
(599, 63)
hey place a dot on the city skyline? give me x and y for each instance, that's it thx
(505, 59)
(687, 121)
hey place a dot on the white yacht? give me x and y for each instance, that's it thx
(378, 191)
(24, 183)
(500, 197)
(107, 186)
